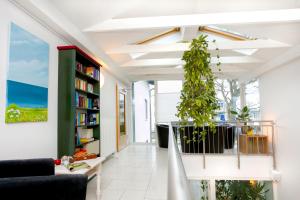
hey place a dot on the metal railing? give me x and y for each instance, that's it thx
(228, 138)
(178, 185)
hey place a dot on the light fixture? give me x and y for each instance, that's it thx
(101, 80)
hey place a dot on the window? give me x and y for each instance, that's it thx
(228, 94)
(252, 99)
(169, 86)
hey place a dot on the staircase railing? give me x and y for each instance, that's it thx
(178, 185)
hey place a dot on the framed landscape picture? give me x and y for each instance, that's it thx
(27, 77)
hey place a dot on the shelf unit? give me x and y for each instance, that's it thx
(71, 58)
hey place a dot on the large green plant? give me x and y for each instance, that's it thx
(198, 100)
(240, 190)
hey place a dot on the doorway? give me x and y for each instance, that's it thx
(143, 111)
(122, 136)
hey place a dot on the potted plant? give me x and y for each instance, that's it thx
(243, 116)
(198, 100)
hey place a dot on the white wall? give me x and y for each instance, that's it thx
(224, 167)
(280, 98)
(108, 114)
(142, 123)
(166, 106)
(167, 98)
(27, 140)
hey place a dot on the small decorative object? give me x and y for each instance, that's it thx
(57, 162)
(66, 160)
(243, 116)
(250, 131)
(27, 77)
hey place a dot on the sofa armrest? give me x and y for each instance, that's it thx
(29, 167)
(62, 187)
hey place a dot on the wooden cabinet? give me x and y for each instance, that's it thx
(253, 144)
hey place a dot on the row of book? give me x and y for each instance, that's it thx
(80, 67)
(80, 119)
(93, 72)
(80, 84)
(83, 118)
(90, 71)
(84, 135)
(83, 85)
(84, 102)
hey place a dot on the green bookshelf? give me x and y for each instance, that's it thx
(78, 101)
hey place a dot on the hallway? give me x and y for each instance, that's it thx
(139, 172)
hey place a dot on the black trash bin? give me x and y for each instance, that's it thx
(163, 135)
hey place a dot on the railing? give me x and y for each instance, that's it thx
(178, 185)
(228, 138)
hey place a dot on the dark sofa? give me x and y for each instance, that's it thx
(34, 179)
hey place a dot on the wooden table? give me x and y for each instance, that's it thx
(95, 170)
(253, 144)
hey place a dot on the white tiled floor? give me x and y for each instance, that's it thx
(139, 173)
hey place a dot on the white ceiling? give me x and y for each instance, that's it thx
(87, 14)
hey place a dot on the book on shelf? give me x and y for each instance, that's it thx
(83, 102)
(85, 132)
(93, 72)
(80, 84)
(96, 104)
(90, 88)
(80, 118)
(80, 67)
(86, 140)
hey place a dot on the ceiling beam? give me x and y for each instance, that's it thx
(167, 70)
(158, 36)
(244, 17)
(159, 77)
(221, 33)
(178, 61)
(180, 47)
(189, 33)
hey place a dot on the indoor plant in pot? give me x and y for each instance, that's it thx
(243, 116)
(198, 100)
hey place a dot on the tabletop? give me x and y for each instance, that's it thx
(94, 163)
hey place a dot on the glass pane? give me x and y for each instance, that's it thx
(252, 99)
(122, 114)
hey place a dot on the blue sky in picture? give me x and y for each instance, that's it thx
(28, 58)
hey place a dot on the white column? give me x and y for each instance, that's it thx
(155, 112)
(243, 94)
(212, 189)
(98, 189)
(275, 190)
